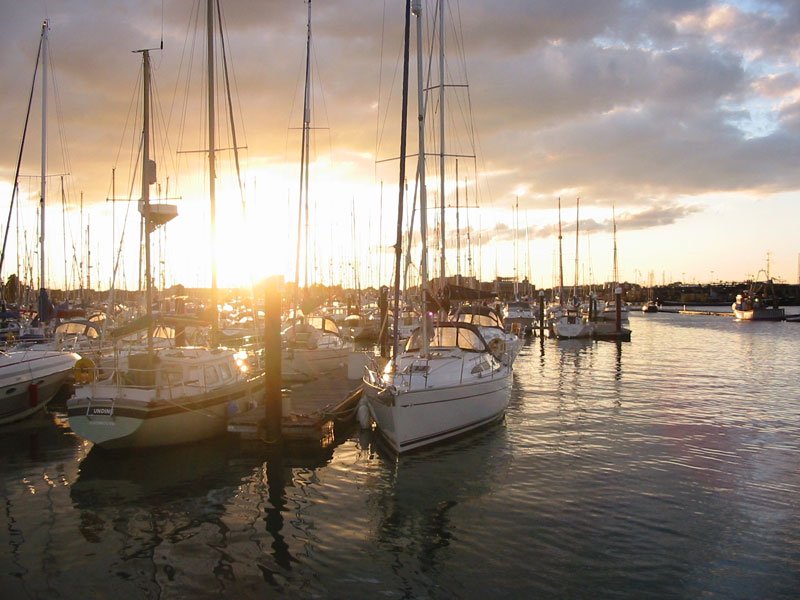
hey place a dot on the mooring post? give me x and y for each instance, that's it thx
(273, 401)
(618, 294)
(541, 314)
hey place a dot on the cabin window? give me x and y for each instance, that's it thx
(444, 337)
(212, 377)
(193, 377)
(225, 370)
(174, 376)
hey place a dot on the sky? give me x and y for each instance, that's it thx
(678, 120)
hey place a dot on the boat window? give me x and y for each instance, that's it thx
(212, 377)
(225, 370)
(174, 376)
(447, 337)
(480, 320)
(192, 376)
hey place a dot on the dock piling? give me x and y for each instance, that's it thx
(541, 314)
(273, 401)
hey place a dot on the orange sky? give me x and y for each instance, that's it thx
(684, 117)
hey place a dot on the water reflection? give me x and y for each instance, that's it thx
(147, 513)
(420, 493)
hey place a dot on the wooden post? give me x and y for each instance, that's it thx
(273, 401)
(541, 314)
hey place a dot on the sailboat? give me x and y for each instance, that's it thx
(571, 322)
(609, 311)
(311, 346)
(30, 378)
(161, 396)
(446, 382)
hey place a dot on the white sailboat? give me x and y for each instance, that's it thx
(30, 378)
(166, 395)
(446, 382)
(322, 348)
(571, 322)
(609, 309)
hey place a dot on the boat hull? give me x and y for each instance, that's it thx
(114, 418)
(30, 383)
(579, 329)
(414, 419)
(760, 314)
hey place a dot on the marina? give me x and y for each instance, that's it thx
(303, 324)
(656, 468)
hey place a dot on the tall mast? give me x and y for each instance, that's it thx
(398, 250)
(614, 220)
(516, 249)
(148, 294)
(304, 147)
(148, 178)
(423, 194)
(577, 229)
(560, 259)
(458, 234)
(43, 194)
(212, 175)
(441, 137)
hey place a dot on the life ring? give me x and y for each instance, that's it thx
(84, 371)
(497, 347)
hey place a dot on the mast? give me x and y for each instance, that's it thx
(458, 234)
(614, 221)
(516, 249)
(212, 176)
(469, 241)
(147, 176)
(528, 273)
(423, 195)
(304, 147)
(577, 228)
(398, 249)
(560, 259)
(43, 301)
(441, 137)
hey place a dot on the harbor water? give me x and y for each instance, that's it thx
(667, 467)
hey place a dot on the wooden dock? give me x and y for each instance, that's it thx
(711, 313)
(311, 411)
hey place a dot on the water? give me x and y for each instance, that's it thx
(662, 468)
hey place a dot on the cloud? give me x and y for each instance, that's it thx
(616, 101)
